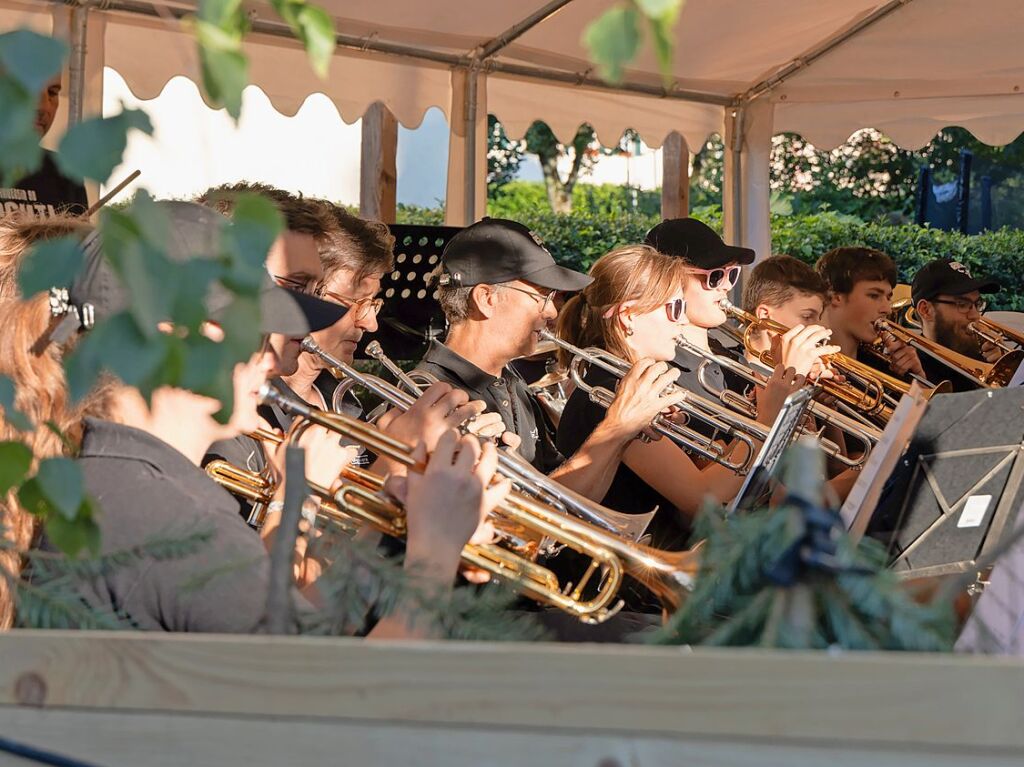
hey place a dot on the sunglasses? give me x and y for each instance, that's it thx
(713, 279)
(675, 309)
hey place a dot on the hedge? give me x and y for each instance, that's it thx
(577, 240)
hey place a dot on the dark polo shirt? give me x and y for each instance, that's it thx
(148, 491)
(507, 395)
(718, 377)
(248, 453)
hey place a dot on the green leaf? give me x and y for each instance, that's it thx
(662, 30)
(133, 241)
(117, 345)
(220, 12)
(224, 66)
(50, 263)
(613, 40)
(314, 29)
(20, 153)
(15, 461)
(14, 417)
(31, 59)
(61, 484)
(256, 223)
(74, 535)
(93, 148)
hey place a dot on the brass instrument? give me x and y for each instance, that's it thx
(866, 391)
(724, 423)
(524, 476)
(986, 375)
(864, 435)
(665, 574)
(1003, 336)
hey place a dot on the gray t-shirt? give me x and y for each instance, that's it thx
(148, 491)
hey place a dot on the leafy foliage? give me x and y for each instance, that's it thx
(220, 27)
(613, 39)
(94, 147)
(789, 577)
(28, 61)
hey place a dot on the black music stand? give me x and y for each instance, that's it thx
(958, 489)
(411, 316)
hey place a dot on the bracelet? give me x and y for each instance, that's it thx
(309, 508)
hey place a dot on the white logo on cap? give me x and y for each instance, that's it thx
(956, 266)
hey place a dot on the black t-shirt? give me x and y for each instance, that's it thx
(148, 491)
(714, 374)
(936, 373)
(45, 193)
(507, 395)
(628, 493)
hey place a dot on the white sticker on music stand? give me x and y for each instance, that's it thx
(974, 511)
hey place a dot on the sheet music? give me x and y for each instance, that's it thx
(863, 498)
(1018, 376)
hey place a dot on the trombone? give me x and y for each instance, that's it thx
(523, 475)
(519, 517)
(864, 435)
(985, 375)
(724, 423)
(997, 334)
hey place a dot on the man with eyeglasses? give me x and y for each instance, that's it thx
(948, 299)
(497, 286)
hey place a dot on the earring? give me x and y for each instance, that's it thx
(629, 331)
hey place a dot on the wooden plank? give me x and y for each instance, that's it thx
(675, 177)
(378, 175)
(911, 701)
(144, 739)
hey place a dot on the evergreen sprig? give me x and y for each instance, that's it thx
(790, 577)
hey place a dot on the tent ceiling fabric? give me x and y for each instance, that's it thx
(924, 65)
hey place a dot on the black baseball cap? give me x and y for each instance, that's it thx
(945, 276)
(495, 250)
(697, 242)
(194, 232)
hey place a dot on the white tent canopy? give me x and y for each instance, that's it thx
(743, 68)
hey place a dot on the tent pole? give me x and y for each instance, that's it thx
(518, 30)
(76, 64)
(363, 44)
(469, 167)
(821, 49)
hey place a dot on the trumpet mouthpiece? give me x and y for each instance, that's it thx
(309, 345)
(374, 349)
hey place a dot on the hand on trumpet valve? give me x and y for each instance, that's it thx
(991, 352)
(440, 409)
(783, 382)
(802, 348)
(644, 393)
(448, 504)
(902, 357)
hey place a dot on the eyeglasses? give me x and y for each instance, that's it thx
(307, 286)
(542, 298)
(963, 305)
(675, 309)
(713, 279)
(361, 308)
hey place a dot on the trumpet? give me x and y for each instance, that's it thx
(997, 334)
(526, 478)
(665, 574)
(985, 375)
(867, 391)
(724, 423)
(864, 435)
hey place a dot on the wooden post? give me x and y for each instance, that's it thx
(378, 176)
(675, 177)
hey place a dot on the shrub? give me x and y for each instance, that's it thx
(577, 240)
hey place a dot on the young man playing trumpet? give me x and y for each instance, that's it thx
(860, 285)
(948, 299)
